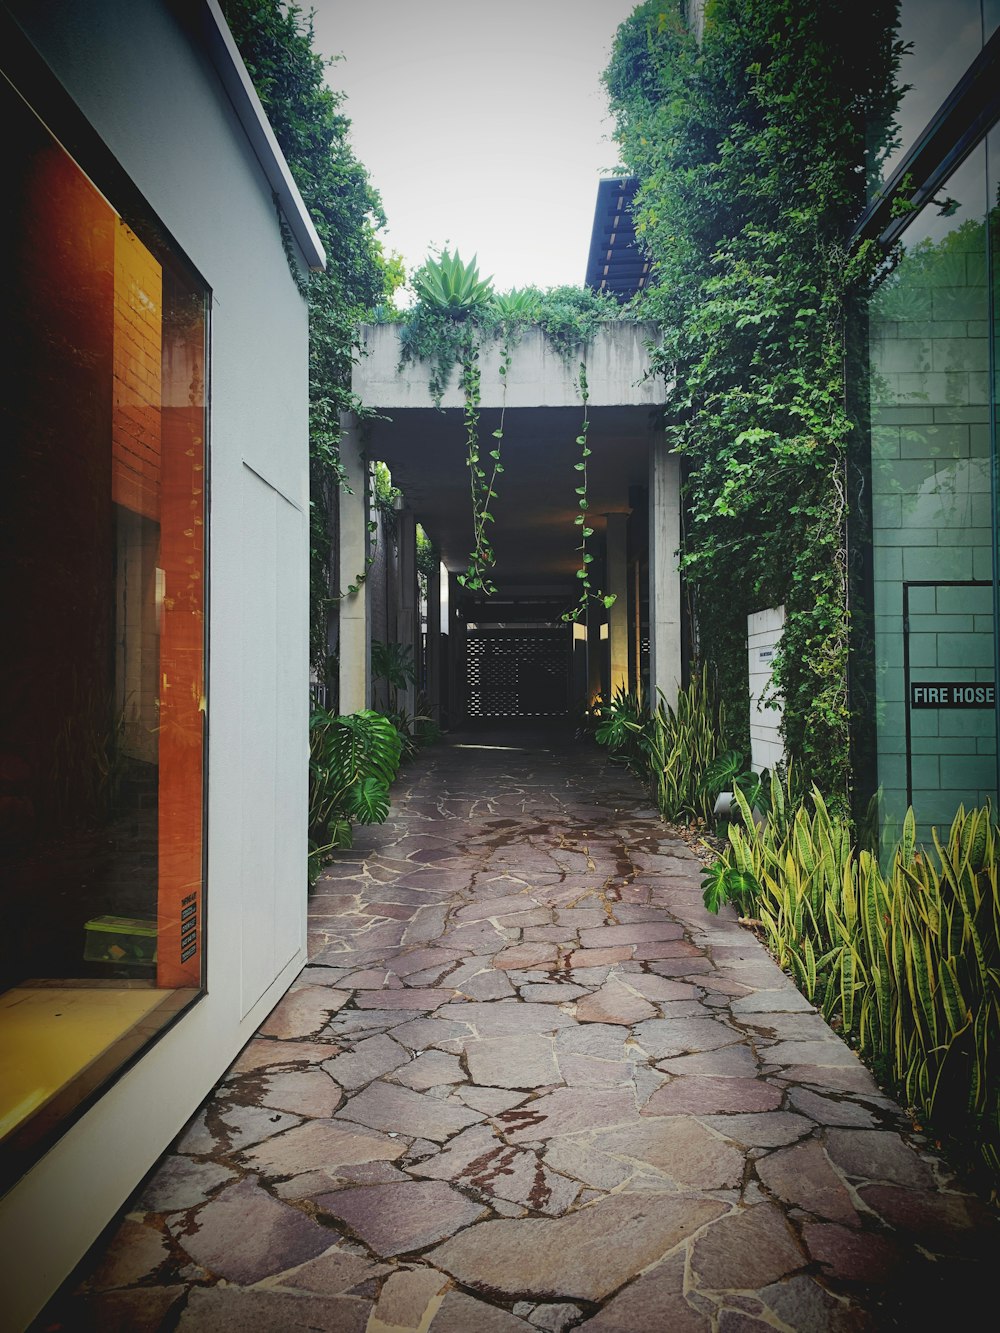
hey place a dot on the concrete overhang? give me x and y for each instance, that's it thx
(534, 535)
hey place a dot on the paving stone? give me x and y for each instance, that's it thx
(736, 1061)
(430, 1070)
(831, 1110)
(680, 1147)
(244, 1125)
(306, 1092)
(820, 1054)
(712, 1096)
(136, 1250)
(662, 1038)
(584, 1071)
(420, 1033)
(802, 1177)
(554, 1318)
(654, 1301)
(425, 998)
(850, 1254)
(371, 978)
(580, 959)
(566, 1111)
(526, 956)
(408, 1296)
(580, 1161)
(467, 1147)
(320, 1145)
(269, 1053)
(801, 1303)
(491, 1101)
(770, 1129)
(603, 1041)
(606, 937)
(244, 1234)
(501, 1018)
(383, 1106)
(370, 1058)
(221, 1309)
(137, 1308)
(420, 960)
(570, 1257)
(614, 1003)
(504, 1171)
(313, 1183)
(877, 1155)
(748, 1248)
(551, 992)
(512, 1062)
(303, 1013)
(400, 1217)
(180, 1182)
(662, 988)
(335, 1272)
(461, 1313)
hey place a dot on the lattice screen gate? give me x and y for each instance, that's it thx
(518, 673)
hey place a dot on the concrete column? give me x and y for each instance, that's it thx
(456, 652)
(433, 664)
(407, 605)
(664, 575)
(353, 537)
(617, 583)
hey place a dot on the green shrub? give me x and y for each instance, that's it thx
(671, 749)
(904, 957)
(353, 761)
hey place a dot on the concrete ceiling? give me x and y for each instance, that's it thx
(533, 534)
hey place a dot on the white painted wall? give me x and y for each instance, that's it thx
(763, 636)
(158, 105)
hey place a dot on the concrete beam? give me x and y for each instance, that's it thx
(617, 372)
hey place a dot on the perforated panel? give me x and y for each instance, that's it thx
(515, 673)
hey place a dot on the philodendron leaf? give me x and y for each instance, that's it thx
(610, 599)
(588, 532)
(579, 466)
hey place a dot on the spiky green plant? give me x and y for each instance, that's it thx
(448, 284)
(905, 959)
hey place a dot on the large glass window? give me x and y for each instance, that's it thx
(102, 706)
(941, 41)
(933, 525)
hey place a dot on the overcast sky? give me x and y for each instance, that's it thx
(483, 126)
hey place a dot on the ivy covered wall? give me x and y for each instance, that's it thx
(752, 147)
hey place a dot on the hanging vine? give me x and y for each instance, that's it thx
(455, 312)
(582, 520)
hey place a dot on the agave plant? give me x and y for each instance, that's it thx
(519, 305)
(449, 285)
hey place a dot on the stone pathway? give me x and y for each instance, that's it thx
(527, 1082)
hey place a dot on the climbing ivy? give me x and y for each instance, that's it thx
(750, 150)
(276, 43)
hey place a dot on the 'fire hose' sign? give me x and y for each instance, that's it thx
(952, 694)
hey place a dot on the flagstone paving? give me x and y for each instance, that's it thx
(527, 1082)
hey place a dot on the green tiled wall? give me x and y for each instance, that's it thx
(932, 507)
